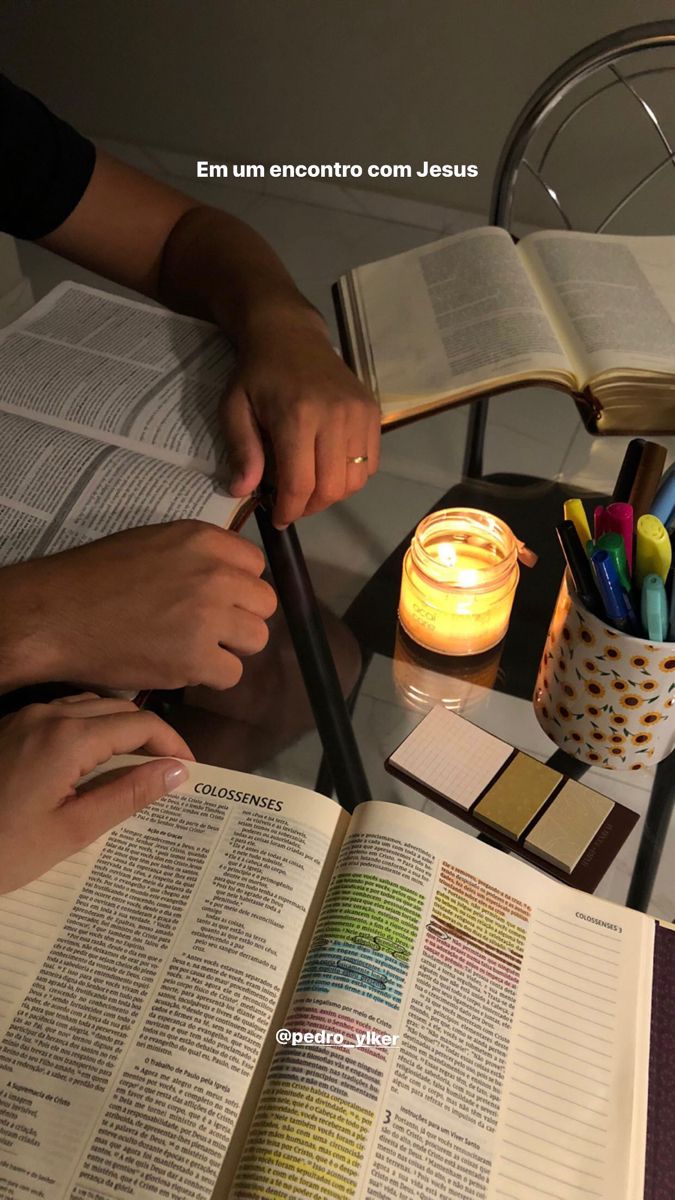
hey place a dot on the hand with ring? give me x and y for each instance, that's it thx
(323, 426)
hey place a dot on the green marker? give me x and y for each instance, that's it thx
(615, 546)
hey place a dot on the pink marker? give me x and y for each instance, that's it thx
(619, 519)
(600, 525)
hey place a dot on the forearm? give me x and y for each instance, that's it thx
(28, 652)
(196, 259)
(215, 266)
(289, 387)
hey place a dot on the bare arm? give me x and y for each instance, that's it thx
(290, 385)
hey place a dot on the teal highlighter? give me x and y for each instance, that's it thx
(654, 608)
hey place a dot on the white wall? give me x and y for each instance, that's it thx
(309, 80)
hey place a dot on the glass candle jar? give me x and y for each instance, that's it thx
(459, 578)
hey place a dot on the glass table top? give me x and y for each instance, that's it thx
(397, 692)
(401, 682)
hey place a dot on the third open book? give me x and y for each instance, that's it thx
(482, 1031)
(474, 313)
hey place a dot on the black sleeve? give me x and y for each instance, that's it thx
(45, 165)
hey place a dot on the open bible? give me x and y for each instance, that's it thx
(108, 420)
(475, 313)
(243, 992)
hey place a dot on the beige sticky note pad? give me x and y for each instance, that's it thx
(515, 798)
(568, 827)
(452, 756)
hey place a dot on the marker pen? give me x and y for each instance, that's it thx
(616, 547)
(654, 609)
(664, 501)
(653, 553)
(615, 602)
(628, 470)
(647, 478)
(671, 623)
(619, 519)
(599, 521)
(574, 511)
(579, 567)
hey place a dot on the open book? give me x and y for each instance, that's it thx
(474, 314)
(243, 992)
(108, 420)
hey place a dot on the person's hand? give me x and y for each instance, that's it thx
(292, 390)
(46, 749)
(161, 606)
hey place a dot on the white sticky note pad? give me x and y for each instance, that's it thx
(451, 756)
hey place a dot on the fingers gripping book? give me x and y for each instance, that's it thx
(242, 992)
(108, 420)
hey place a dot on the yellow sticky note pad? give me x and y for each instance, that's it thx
(568, 827)
(518, 794)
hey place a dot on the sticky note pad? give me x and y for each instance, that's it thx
(450, 755)
(568, 827)
(516, 797)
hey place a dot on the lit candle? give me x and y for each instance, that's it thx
(459, 578)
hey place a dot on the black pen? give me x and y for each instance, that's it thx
(647, 479)
(628, 470)
(579, 567)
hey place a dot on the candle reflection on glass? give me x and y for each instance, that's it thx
(459, 579)
(423, 679)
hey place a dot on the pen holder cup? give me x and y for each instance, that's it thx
(601, 695)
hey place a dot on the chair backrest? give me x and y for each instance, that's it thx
(595, 145)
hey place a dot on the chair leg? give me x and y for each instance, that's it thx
(298, 601)
(324, 779)
(654, 834)
(475, 440)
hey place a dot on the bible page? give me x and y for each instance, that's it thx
(128, 373)
(612, 298)
(138, 982)
(482, 1032)
(442, 320)
(60, 489)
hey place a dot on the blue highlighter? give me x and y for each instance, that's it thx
(664, 502)
(617, 606)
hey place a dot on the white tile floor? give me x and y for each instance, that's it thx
(320, 231)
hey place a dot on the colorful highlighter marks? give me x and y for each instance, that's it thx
(520, 792)
(568, 827)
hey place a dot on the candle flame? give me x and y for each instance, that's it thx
(447, 554)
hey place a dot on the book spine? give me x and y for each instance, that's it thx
(660, 1150)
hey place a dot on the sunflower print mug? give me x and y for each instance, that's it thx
(601, 695)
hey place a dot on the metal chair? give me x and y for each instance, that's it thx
(547, 117)
(529, 154)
